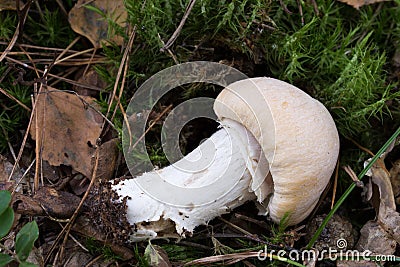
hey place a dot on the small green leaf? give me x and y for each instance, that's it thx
(5, 259)
(27, 264)
(5, 199)
(6, 221)
(25, 239)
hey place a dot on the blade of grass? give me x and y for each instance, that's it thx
(351, 187)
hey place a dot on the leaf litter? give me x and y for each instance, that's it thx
(88, 18)
(382, 235)
(67, 129)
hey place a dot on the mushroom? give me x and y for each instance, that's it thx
(277, 146)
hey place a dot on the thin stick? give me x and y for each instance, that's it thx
(15, 99)
(31, 60)
(43, 48)
(60, 4)
(301, 12)
(73, 217)
(120, 69)
(168, 50)
(150, 126)
(23, 141)
(90, 62)
(379, 162)
(179, 29)
(23, 176)
(353, 176)
(335, 184)
(66, 49)
(20, 24)
(58, 77)
(38, 143)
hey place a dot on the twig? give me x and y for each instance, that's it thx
(90, 61)
(68, 226)
(42, 48)
(21, 22)
(236, 227)
(15, 99)
(300, 11)
(379, 161)
(73, 217)
(88, 86)
(63, 10)
(64, 73)
(285, 7)
(353, 176)
(31, 60)
(315, 6)
(149, 128)
(335, 181)
(169, 50)
(120, 70)
(67, 48)
(23, 141)
(94, 261)
(23, 176)
(179, 29)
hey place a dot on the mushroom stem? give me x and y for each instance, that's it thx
(211, 180)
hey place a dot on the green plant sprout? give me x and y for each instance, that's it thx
(24, 240)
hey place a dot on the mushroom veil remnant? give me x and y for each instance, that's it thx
(277, 146)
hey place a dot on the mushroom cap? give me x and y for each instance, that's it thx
(298, 137)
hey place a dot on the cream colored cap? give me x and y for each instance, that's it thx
(298, 137)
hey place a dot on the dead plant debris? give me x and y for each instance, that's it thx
(90, 19)
(67, 127)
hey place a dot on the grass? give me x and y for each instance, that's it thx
(341, 56)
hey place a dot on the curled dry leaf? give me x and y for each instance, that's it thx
(87, 18)
(156, 256)
(359, 3)
(108, 156)
(47, 201)
(381, 236)
(395, 180)
(91, 77)
(67, 129)
(388, 217)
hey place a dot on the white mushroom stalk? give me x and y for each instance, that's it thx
(277, 146)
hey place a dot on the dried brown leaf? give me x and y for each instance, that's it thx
(91, 77)
(68, 129)
(92, 25)
(388, 217)
(156, 256)
(108, 156)
(47, 201)
(374, 238)
(381, 236)
(395, 180)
